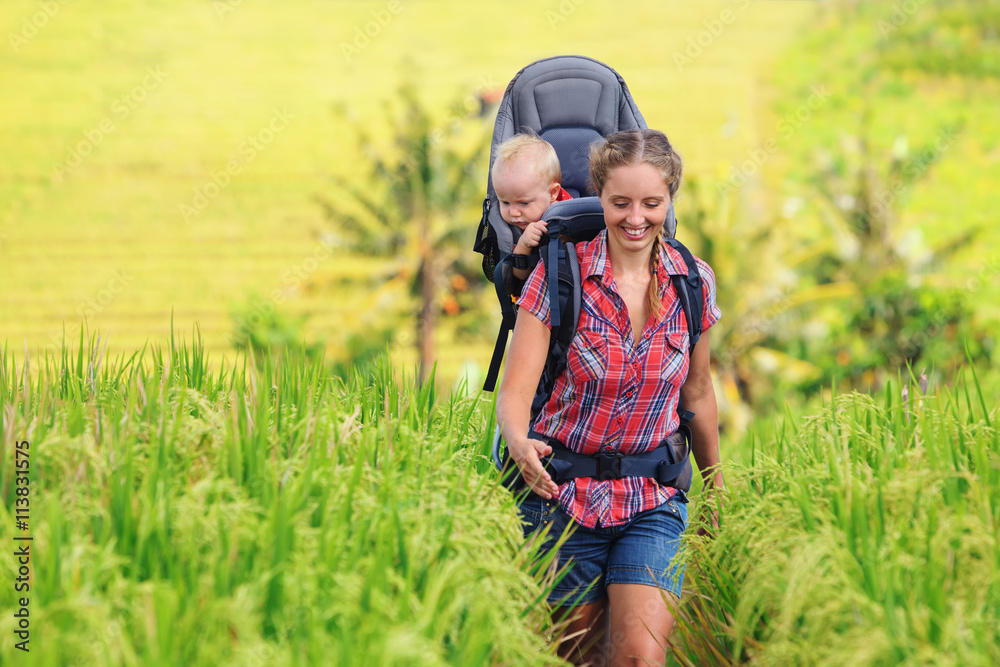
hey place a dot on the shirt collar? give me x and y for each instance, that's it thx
(594, 261)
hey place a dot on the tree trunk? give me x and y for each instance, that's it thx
(427, 321)
(428, 316)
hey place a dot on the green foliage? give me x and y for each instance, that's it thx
(945, 38)
(190, 514)
(897, 326)
(866, 534)
(858, 165)
(414, 207)
(364, 351)
(261, 329)
(762, 302)
(230, 65)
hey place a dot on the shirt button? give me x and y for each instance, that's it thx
(629, 393)
(609, 448)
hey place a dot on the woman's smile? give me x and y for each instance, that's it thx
(635, 201)
(635, 233)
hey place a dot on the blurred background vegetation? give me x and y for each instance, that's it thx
(308, 175)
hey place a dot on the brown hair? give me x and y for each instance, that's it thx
(633, 147)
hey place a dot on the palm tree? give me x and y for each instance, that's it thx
(759, 298)
(416, 205)
(862, 187)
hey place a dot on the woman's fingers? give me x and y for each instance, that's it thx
(713, 520)
(529, 461)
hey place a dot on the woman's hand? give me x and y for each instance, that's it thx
(525, 360)
(527, 455)
(711, 508)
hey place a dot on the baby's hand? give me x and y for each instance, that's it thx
(530, 237)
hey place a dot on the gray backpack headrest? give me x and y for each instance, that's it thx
(570, 101)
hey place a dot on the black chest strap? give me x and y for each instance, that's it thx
(666, 463)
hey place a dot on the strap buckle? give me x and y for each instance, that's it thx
(524, 262)
(609, 465)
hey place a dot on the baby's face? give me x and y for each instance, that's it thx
(523, 197)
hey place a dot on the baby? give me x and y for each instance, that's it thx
(526, 177)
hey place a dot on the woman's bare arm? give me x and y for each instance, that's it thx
(699, 397)
(525, 362)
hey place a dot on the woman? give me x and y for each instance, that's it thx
(627, 367)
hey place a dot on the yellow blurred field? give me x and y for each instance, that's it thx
(162, 97)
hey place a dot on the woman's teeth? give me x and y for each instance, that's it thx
(634, 233)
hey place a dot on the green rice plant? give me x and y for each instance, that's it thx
(870, 536)
(261, 512)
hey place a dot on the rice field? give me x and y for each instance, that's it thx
(160, 166)
(266, 513)
(181, 515)
(142, 182)
(867, 533)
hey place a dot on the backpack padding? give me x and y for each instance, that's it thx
(572, 145)
(576, 302)
(577, 220)
(574, 209)
(544, 95)
(565, 295)
(569, 298)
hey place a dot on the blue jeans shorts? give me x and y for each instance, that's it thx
(622, 554)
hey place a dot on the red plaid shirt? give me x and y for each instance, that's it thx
(617, 393)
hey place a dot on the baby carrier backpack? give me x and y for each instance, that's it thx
(571, 102)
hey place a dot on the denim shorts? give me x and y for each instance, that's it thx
(622, 554)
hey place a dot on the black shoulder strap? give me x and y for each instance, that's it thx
(689, 291)
(692, 301)
(567, 296)
(508, 317)
(552, 267)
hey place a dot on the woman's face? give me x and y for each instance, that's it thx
(635, 201)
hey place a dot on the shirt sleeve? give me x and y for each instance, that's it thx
(710, 311)
(535, 295)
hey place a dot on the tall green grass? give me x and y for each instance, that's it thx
(867, 534)
(263, 512)
(259, 514)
